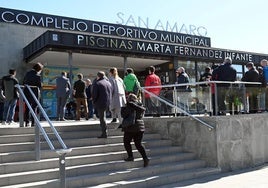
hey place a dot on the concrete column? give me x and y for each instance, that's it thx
(125, 64)
(70, 63)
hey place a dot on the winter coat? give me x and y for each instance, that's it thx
(101, 93)
(32, 78)
(118, 93)
(152, 80)
(129, 109)
(183, 78)
(224, 72)
(130, 81)
(80, 89)
(8, 85)
(251, 76)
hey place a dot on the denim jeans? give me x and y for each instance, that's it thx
(9, 110)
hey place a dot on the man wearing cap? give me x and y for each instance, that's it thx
(224, 72)
(252, 75)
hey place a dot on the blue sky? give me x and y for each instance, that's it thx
(231, 24)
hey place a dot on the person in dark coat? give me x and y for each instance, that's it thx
(11, 94)
(80, 97)
(136, 130)
(252, 75)
(63, 87)
(89, 98)
(224, 72)
(33, 79)
(101, 96)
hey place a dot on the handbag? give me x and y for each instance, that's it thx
(129, 120)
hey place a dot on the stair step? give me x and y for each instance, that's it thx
(137, 175)
(31, 165)
(119, 167)
(154, 180)
(93, 162)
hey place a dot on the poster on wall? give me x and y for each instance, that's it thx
(49, 99)
(50, 102)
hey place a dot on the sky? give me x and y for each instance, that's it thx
(231, 24)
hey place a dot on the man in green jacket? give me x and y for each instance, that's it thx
(131, 82)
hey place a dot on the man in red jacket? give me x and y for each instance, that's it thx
(152, 103)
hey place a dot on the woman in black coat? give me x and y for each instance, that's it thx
(133, 127)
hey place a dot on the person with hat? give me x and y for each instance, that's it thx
(252, 75)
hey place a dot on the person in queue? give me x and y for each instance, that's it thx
(79, 90)
(182, 78)
(224, 72)
(11, 96)
(252, 75)
(89, 98)
(152, 103)
(63, 87)
(264, 65)
(118, 99)
(131, 82)
(32, 79)
(101, 96)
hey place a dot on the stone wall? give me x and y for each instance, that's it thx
(237, 142)
(14, 39)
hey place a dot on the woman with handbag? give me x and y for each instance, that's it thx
(133, 127)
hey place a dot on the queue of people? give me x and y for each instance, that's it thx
(104, 94)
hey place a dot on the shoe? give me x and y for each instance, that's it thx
(102, 136)
(3, 123)
(129, 159)
(114, 120)
(120, 126)
(62, 119)
(146, 162)
(10, 122)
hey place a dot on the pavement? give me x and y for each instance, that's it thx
(256, 177)
(248, 178)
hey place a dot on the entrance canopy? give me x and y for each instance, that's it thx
(53, 48)
(103, 52)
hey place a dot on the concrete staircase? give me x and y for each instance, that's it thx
(94, 162)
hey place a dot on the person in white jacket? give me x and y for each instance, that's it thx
(118, 95)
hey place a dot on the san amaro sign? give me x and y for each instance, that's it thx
(138, 21)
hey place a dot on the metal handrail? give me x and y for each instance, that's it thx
(38, 128)
(178, 108)
(191, 84)
(47, 119)
(200, 83)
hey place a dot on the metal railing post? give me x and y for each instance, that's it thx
(37, 143)
(21, 111)
(62, 162)
(175, 98)
(216, 99)
(62, 171)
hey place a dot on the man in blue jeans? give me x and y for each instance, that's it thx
(11, 94)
